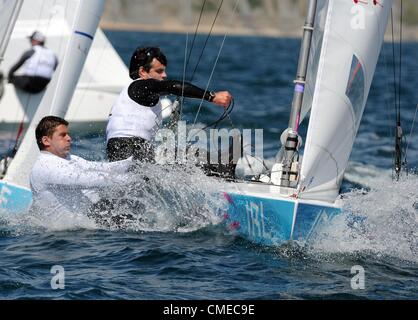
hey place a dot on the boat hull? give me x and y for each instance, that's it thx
(14, 199)
(259, 218)
(273, 220)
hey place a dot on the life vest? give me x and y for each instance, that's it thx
(42, 63)
(130, 119)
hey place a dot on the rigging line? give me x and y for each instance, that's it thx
(195, 34)
(399, 136)
(394, 83)
(186, 61)
(206, 41)
(390, 118)
(226, 112)
(177, 109)
(394, 59)
(387, 102)
(400, 65)
(187, 56)
(213, 69)
(410, 133)
(400, 75)
(209, 80)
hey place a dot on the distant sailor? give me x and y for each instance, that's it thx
(34, 70)
(137, 113)
(64, 183)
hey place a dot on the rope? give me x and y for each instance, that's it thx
(194, 36)
(397, 82)
(400, 65)
(228, 110)
(213, 69)
(177, 116)
(388, 103)
(206, 41)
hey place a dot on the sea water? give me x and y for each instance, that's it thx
(179, 249)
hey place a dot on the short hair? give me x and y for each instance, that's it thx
(46, 127)
(142, 57)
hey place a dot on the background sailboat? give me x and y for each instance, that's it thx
(101, 80)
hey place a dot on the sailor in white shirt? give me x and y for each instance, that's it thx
(136, 114)
(34, 70)
(64, 183)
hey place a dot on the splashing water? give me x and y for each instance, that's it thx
(382, 221)
(162, 198)
(166, 198)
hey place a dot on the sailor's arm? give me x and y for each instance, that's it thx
(18, 64)
(120, 166)
(147, 92)
(75, 173)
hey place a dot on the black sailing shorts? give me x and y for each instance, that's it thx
(122, 148)
(30, 84)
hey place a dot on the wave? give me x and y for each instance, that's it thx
(380, 219)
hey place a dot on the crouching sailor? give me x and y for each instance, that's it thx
(63, 183)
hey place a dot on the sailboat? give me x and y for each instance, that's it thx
(340, 48)
(15, 194)
(101, 80)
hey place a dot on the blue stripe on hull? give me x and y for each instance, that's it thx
(14, 199)
(270, 221)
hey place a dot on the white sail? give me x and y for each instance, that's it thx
(352, 38)
(59, 93)
(9, 10)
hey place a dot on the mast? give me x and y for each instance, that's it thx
(10, 25)
(86, 22)
(292, 139)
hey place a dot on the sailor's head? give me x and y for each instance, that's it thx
(52, 136)
(148, 63)
(37, 38)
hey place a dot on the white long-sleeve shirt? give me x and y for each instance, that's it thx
(70, 185)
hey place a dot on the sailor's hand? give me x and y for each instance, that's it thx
(222, 98)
